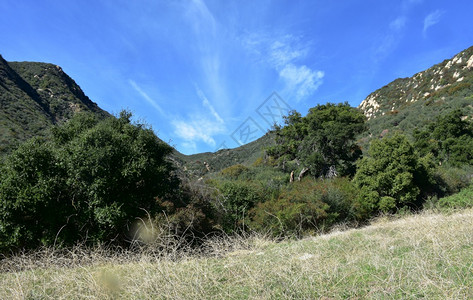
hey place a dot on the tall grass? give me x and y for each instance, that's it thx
(428, 255)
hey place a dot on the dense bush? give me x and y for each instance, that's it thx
(191, 212)
(89, 183)
(450, 180)
(306, 206)
(392, 176)
(236, 199)
(234, 171)
(463, 199)
(449, 138)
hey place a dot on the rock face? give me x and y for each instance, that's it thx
(445, 80)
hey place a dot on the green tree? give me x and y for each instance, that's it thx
(89, 183)
(392, 176)
(324, 140)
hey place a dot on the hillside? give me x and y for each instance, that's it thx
(428, 255)
(407, 103)
(208, 162)
(33, 97)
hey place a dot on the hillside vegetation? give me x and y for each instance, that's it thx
(94, 179)
(407, 103)
(426, 256)
(34, 97)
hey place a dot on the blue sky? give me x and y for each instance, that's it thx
(202, 73)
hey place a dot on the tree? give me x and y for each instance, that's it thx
(90, 182)
(392, 176)
(324, 140)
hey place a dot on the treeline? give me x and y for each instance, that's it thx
(98, 181)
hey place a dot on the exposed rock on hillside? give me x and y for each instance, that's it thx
(438, 83)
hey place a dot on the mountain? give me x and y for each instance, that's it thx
(412, 102)
(33, 97)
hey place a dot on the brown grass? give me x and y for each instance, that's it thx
(427, 255)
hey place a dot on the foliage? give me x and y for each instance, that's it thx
(234, 171)
(324, 140)
(237, 198)
(463, 199)
(89, 183)
(449, 138)
(308, 205)
(450, 180)
(191, 212)
(393, 176)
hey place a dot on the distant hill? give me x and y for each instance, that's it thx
(208, 162)
(33, 97)
(412, 102)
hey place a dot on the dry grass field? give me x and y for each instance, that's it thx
(418, 256)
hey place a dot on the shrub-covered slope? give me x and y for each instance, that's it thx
(35, 96)
(407, 103)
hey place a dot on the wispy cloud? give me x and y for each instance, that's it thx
(203, 21)
(206, 103)
(146, 97)
(201, 126)
(285, 55)
(198, 128)
(397, 27)
(208, 44)
(282, 53)
(398, 24)
(432, 19)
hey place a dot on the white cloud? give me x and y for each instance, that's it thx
(301, 79)
(197, 129)
(146, 97)
(284, 54)
(202, 20)
(432, 19)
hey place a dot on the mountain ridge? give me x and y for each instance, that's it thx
(35, 96)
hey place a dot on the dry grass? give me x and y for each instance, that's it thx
(428, 255)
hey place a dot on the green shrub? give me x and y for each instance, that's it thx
(450, 180)
(89, 183)
(306, 206)
(236, 199)
(463, 199)
(449, 138)
(323, 141)
(392, 177)
(234, 171)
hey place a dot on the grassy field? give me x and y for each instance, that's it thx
(422, 256)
